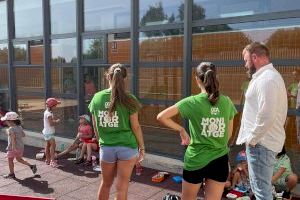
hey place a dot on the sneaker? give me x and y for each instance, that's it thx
(10, 175)
(79, 161)
(286, 194)
(33, 168)
(53, 163)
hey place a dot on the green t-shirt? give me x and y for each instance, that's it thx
(282, 162)
(293, 89)
(208, 128)
(115, 130)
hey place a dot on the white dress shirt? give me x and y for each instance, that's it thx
(265, 110)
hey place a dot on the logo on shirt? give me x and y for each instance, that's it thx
(214, 111)
(107, 104)
(213, 127)
(106, 120)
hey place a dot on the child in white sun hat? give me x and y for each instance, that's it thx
(15, 147)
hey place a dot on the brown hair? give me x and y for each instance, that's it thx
(206, 72)
(116, 75)
(258, 48)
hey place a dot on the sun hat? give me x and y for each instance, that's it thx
(10, 116)
(52, 102)
(241, 156)
(86, 117)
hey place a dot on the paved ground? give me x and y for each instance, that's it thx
(70, 181)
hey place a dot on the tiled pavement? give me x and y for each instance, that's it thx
(70, 181)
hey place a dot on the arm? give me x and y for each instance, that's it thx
(278, 174)
(136, 128)
(165, 116)
(95, 127)
(13, 141)
(230, 129)
(53, 121)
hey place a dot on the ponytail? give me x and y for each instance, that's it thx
(116, 74)
(206, 72)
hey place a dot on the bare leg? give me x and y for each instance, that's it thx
(83, 150)
(108, 175)
(11, 165)
(47, 151)
(52, 148)
(292, 181)
(236, 178)
(90, 148)
(190, 190)
(71, 148)
(124, 171)
(213, 189)
(24, 162)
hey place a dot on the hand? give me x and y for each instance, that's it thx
(57, 120)
(94, 139)
(141, 155)
(185, 138)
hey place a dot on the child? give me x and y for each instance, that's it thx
(85, 132)
(283, 178)
(240, 173)
(88, 147)
(15, 145)
(49, 130)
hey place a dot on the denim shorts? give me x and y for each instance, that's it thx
(113, 154)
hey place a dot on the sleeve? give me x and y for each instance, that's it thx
(92, 106)
(233, 110)
(267, 102)
(10, 131)
(183, 107)
(132, 111)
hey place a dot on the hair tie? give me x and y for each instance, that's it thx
(118, 69)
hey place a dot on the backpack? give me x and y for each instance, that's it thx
(171, 197)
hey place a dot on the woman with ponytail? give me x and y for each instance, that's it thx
(210, 117)
(115, 120)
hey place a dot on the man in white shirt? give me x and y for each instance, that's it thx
(264, 115)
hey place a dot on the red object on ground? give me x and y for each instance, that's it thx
(16, 197)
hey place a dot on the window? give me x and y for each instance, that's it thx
(103, 15)
(212, 9)
(64, 51)
(31, 109)
(63, 16)
(157, 46)
(3, 21)
(93, 48)
(64, 80)
(28, 18)
(4, 87)
(36, 52)
(154, 12)
(30, 79)
(20, 53)
(3, 53)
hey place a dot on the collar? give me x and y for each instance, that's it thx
(262, 69)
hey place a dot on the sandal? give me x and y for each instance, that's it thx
(53, 163)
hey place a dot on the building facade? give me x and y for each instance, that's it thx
(61, 48)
